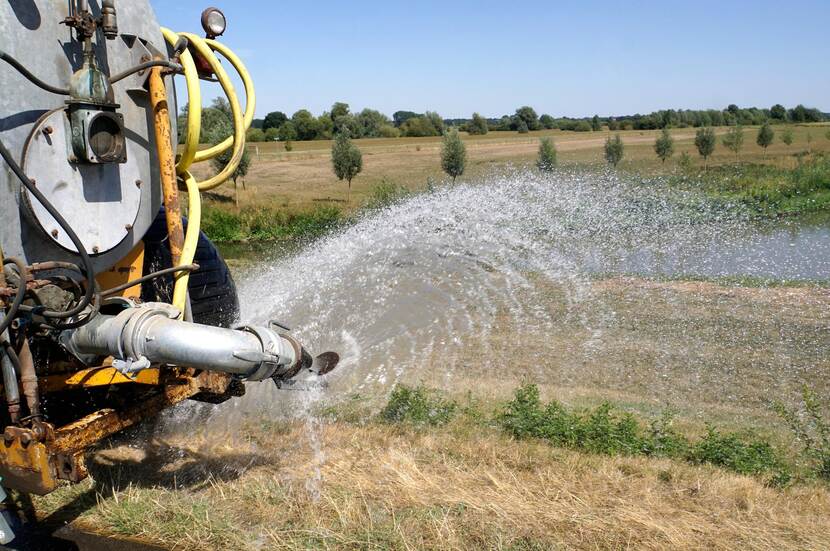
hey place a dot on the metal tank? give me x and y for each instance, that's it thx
(87, 140)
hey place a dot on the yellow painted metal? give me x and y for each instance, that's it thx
(97, 377)
(27, 468)
(128, 268)
(167, 163)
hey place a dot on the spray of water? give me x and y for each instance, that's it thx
(498, 280)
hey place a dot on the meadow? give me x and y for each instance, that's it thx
(302, 179)
(697, 421)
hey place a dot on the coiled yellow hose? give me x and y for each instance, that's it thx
(191, 153)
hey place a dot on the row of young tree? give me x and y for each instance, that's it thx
(664, 146)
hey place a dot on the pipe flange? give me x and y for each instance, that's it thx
(272, 358)
(131, 346)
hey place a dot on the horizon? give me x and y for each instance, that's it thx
(390, 59)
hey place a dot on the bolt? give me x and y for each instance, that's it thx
(55, 234)
(34, 182)
(138, 183)
(48, 130)
(128, 227)
(95, 249)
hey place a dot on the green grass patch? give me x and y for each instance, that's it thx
(768, 190)
(606, 430)
(264, 224)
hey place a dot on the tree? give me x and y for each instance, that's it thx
(614, 150)
(522, 127)
(453, 154)
(217, 136)
(274, 120)
(596, 125)
(664, 145)
(348, 123)
(827, 134)
(765, 137)
(287, 132)
(339, 109)
(705, 141)
(417, 127)
(546, 161)
(477, 126)
(372, 123)
(401, 117)
(255, 135)
(306, 125)
(272, 134)
(529, 116)
(734, 140)
(436, 121)
(778, 112)
(547, 122)
(787, 136)
(346, 159)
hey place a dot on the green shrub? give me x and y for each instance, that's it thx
(263, 224)
(600, 431)
(741, 453)
(386, 193)
(546, 160)
(418, 406)
(609, 432)
(811, 428)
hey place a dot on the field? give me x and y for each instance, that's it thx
(302, 179)
(350, 480)
(707, 359)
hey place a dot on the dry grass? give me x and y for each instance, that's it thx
(383, 487)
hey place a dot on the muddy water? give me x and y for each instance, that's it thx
(482, 287)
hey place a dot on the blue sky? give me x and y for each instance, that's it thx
(566, 58)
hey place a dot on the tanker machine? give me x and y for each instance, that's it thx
(112, 307)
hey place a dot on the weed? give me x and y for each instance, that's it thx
(812, 429)
(741, 453)
(418, 406)
(608, 432)
(262, 224)
(386, 193)
(771, 190)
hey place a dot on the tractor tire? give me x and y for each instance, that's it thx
(213, 297)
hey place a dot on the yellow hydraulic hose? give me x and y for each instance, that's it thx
(194, 94)
(238, 123)
(250, 102)
(191, 239)
(191, 154)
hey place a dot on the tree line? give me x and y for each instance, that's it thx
(370, 123)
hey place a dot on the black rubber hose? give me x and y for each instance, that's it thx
(21, 293)
(88, 268)
(150, 277)
(144, 66)
(32, 78)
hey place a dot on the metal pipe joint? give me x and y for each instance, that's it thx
(151, 334)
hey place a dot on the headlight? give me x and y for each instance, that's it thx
(214, 22)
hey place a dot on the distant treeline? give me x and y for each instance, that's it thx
(370, 123)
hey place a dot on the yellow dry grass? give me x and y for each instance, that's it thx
(383, 487)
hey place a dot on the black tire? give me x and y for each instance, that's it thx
(213, 297)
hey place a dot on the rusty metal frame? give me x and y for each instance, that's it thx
(37, 460)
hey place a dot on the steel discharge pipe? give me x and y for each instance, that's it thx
(152, 334)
